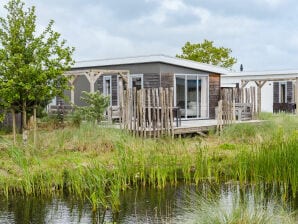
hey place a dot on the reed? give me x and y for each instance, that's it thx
(233, 203)
(271, 162)
(98, 163)
(210, 211)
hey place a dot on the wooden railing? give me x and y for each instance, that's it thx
(148, 112)
(284, 107)
(229, 112)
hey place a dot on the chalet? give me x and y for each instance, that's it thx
(278, 90)
(196, 85)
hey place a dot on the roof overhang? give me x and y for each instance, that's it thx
(279, 75)
(151, 59)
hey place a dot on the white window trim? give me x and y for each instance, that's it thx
(286, 91)
(207, 89)
(135, 76)
(105, 78)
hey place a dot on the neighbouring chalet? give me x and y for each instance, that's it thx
(196, 85)
(278, 89)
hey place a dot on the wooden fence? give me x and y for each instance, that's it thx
(236, 104)
(147, 112)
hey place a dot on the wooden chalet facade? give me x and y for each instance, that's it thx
(196, 85)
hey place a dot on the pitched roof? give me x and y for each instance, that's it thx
(149, 59)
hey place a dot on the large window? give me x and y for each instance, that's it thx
(136, 81)
(107, 87)
(191, 95)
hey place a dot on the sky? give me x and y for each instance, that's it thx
(262, 34)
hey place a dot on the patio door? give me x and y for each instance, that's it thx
(191, 95)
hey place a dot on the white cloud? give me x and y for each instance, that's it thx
(261, 33)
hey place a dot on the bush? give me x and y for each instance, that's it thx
(76, 119)
(98, 104)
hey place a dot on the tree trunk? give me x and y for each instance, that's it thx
(35, 126)
(24, 116)
(13, 125)
(24, 119)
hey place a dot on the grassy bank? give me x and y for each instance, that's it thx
(99, 162)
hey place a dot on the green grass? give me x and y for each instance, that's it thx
(98, 163)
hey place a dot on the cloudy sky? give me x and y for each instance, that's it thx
(263, 34)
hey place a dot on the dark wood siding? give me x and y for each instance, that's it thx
(275, 92)
(114, 90)
(99, 84)
(151, 80)
(167, 80)
(214, 93)
(289, 92)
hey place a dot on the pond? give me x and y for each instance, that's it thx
(181, 204)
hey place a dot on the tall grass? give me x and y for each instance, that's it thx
(234, 211)
(271, 162)
(98, 163)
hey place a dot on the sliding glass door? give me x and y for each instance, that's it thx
(191, 95)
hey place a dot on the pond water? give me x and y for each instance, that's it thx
(181, 204)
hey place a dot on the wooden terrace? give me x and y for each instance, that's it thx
(189, 127)
(202, 126)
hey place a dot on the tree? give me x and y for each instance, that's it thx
(97, 104)
(31, 64)
(207, 53)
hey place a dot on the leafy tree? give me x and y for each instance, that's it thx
(97, 105)
(31, 64)
(207, 53)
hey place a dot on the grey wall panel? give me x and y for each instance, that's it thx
(81, 84)
(167, 68)
(133, 68)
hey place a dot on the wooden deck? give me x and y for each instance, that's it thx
(192, 127)
(200, 126)
(195, 126)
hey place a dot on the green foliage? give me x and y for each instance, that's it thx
(207, 53)
(97, 105)
(2, 115)
(31, 65)
(76, 119)
(227, 146)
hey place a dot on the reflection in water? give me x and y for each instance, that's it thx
(171, 205)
